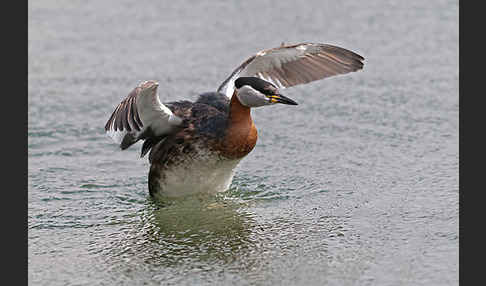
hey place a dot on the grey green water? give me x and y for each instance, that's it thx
(357, 185)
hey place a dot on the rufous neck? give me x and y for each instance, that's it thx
(238, 112)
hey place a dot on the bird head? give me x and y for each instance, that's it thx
(255, 92)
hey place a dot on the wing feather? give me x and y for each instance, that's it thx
(132, 118)
(290, 65)
(124, 115)
(139, 111)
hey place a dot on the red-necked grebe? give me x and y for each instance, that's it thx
(195, 146)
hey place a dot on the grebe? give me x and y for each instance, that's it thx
(195, 146)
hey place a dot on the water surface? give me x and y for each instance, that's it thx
(357, 185)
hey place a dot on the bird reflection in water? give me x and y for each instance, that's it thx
(190, 232)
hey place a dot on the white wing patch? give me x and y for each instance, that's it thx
(140, 111)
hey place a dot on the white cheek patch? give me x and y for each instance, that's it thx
(251, 97)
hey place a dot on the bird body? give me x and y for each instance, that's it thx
(202, 156)
(196, 146)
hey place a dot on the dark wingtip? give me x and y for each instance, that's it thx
(128, 140)
(147, 145)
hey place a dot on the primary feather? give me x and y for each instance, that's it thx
(290, 65)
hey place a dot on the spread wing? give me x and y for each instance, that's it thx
(291, 65)
(141, 115)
